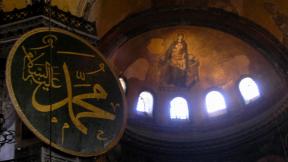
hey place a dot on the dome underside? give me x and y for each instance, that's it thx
(190, 61)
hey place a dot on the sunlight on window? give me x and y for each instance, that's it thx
(123, 84)
(179, 108)
(249, 90)
(145, 103)
(215, 102)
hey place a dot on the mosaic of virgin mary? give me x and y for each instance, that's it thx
(181, 68)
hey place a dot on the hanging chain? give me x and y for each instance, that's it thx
(276, 116)
(50, 93)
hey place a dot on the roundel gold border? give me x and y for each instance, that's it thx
(23, 117)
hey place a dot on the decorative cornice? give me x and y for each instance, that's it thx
(18, 22)
(52, 12)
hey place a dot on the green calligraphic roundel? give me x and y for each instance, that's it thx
(65, 92)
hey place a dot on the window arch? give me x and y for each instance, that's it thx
(123, 84)
(145, 102)
(215, 102)
(179, 108)
(249, 90)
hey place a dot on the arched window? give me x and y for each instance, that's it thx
(249, 90)
(123, 84)
(215, 102)
(179, 108)
(145, 103)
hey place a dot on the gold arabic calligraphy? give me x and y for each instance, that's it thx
(45, 76)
